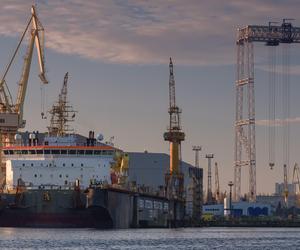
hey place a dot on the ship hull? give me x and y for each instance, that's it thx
(86, 218)
(93, 208)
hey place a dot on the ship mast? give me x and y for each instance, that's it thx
(61, 113)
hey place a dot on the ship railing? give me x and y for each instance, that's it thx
(50, 187)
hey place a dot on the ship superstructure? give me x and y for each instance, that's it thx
(59, 164)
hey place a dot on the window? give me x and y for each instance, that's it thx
(47, 152)
(5, 152)
(60, 176)
(23, 164)
(32, 152)
(88, 152)
(11, 152)
(35, 175)
(72, 164)
(97, 152)
(55, 151)
(39, 152)
(64, 164)
(31, 164)
(81, 164)
(72, 152)
(80, 152)
(24, 152)
(67, 176)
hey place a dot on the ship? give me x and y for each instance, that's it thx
(63, 179)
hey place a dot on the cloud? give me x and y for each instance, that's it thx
(144, 32)
(278, 122)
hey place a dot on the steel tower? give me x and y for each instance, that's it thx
(174, 179)
(217, 184)
(209, 199)
(197, 149)
(244, 150)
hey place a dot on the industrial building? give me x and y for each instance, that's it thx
(149, 169)
(241, 208)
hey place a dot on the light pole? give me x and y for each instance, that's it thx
(230, 184)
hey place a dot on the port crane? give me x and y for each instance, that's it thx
(296, 179)
(174, 179)
(296, 182)
(11, 113)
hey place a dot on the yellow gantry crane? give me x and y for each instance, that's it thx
(11, 113)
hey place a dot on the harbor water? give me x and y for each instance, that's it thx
(183, 238)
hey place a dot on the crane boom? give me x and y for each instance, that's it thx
(36, 28)
(7, 102)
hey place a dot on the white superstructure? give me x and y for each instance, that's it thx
(58, 164)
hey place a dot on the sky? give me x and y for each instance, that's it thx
(117, 54)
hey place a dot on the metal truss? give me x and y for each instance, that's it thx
(244, 150)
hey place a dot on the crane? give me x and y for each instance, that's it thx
(296, 174)
(61, 112)
(217, 184)
(11, 113)
(174, 179)
(296, 182)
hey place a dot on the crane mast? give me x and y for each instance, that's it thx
(61, 113)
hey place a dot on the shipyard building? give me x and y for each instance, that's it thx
(147, 170)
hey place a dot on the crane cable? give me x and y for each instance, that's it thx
(272, 100)
(43, 102)
(286, 102)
